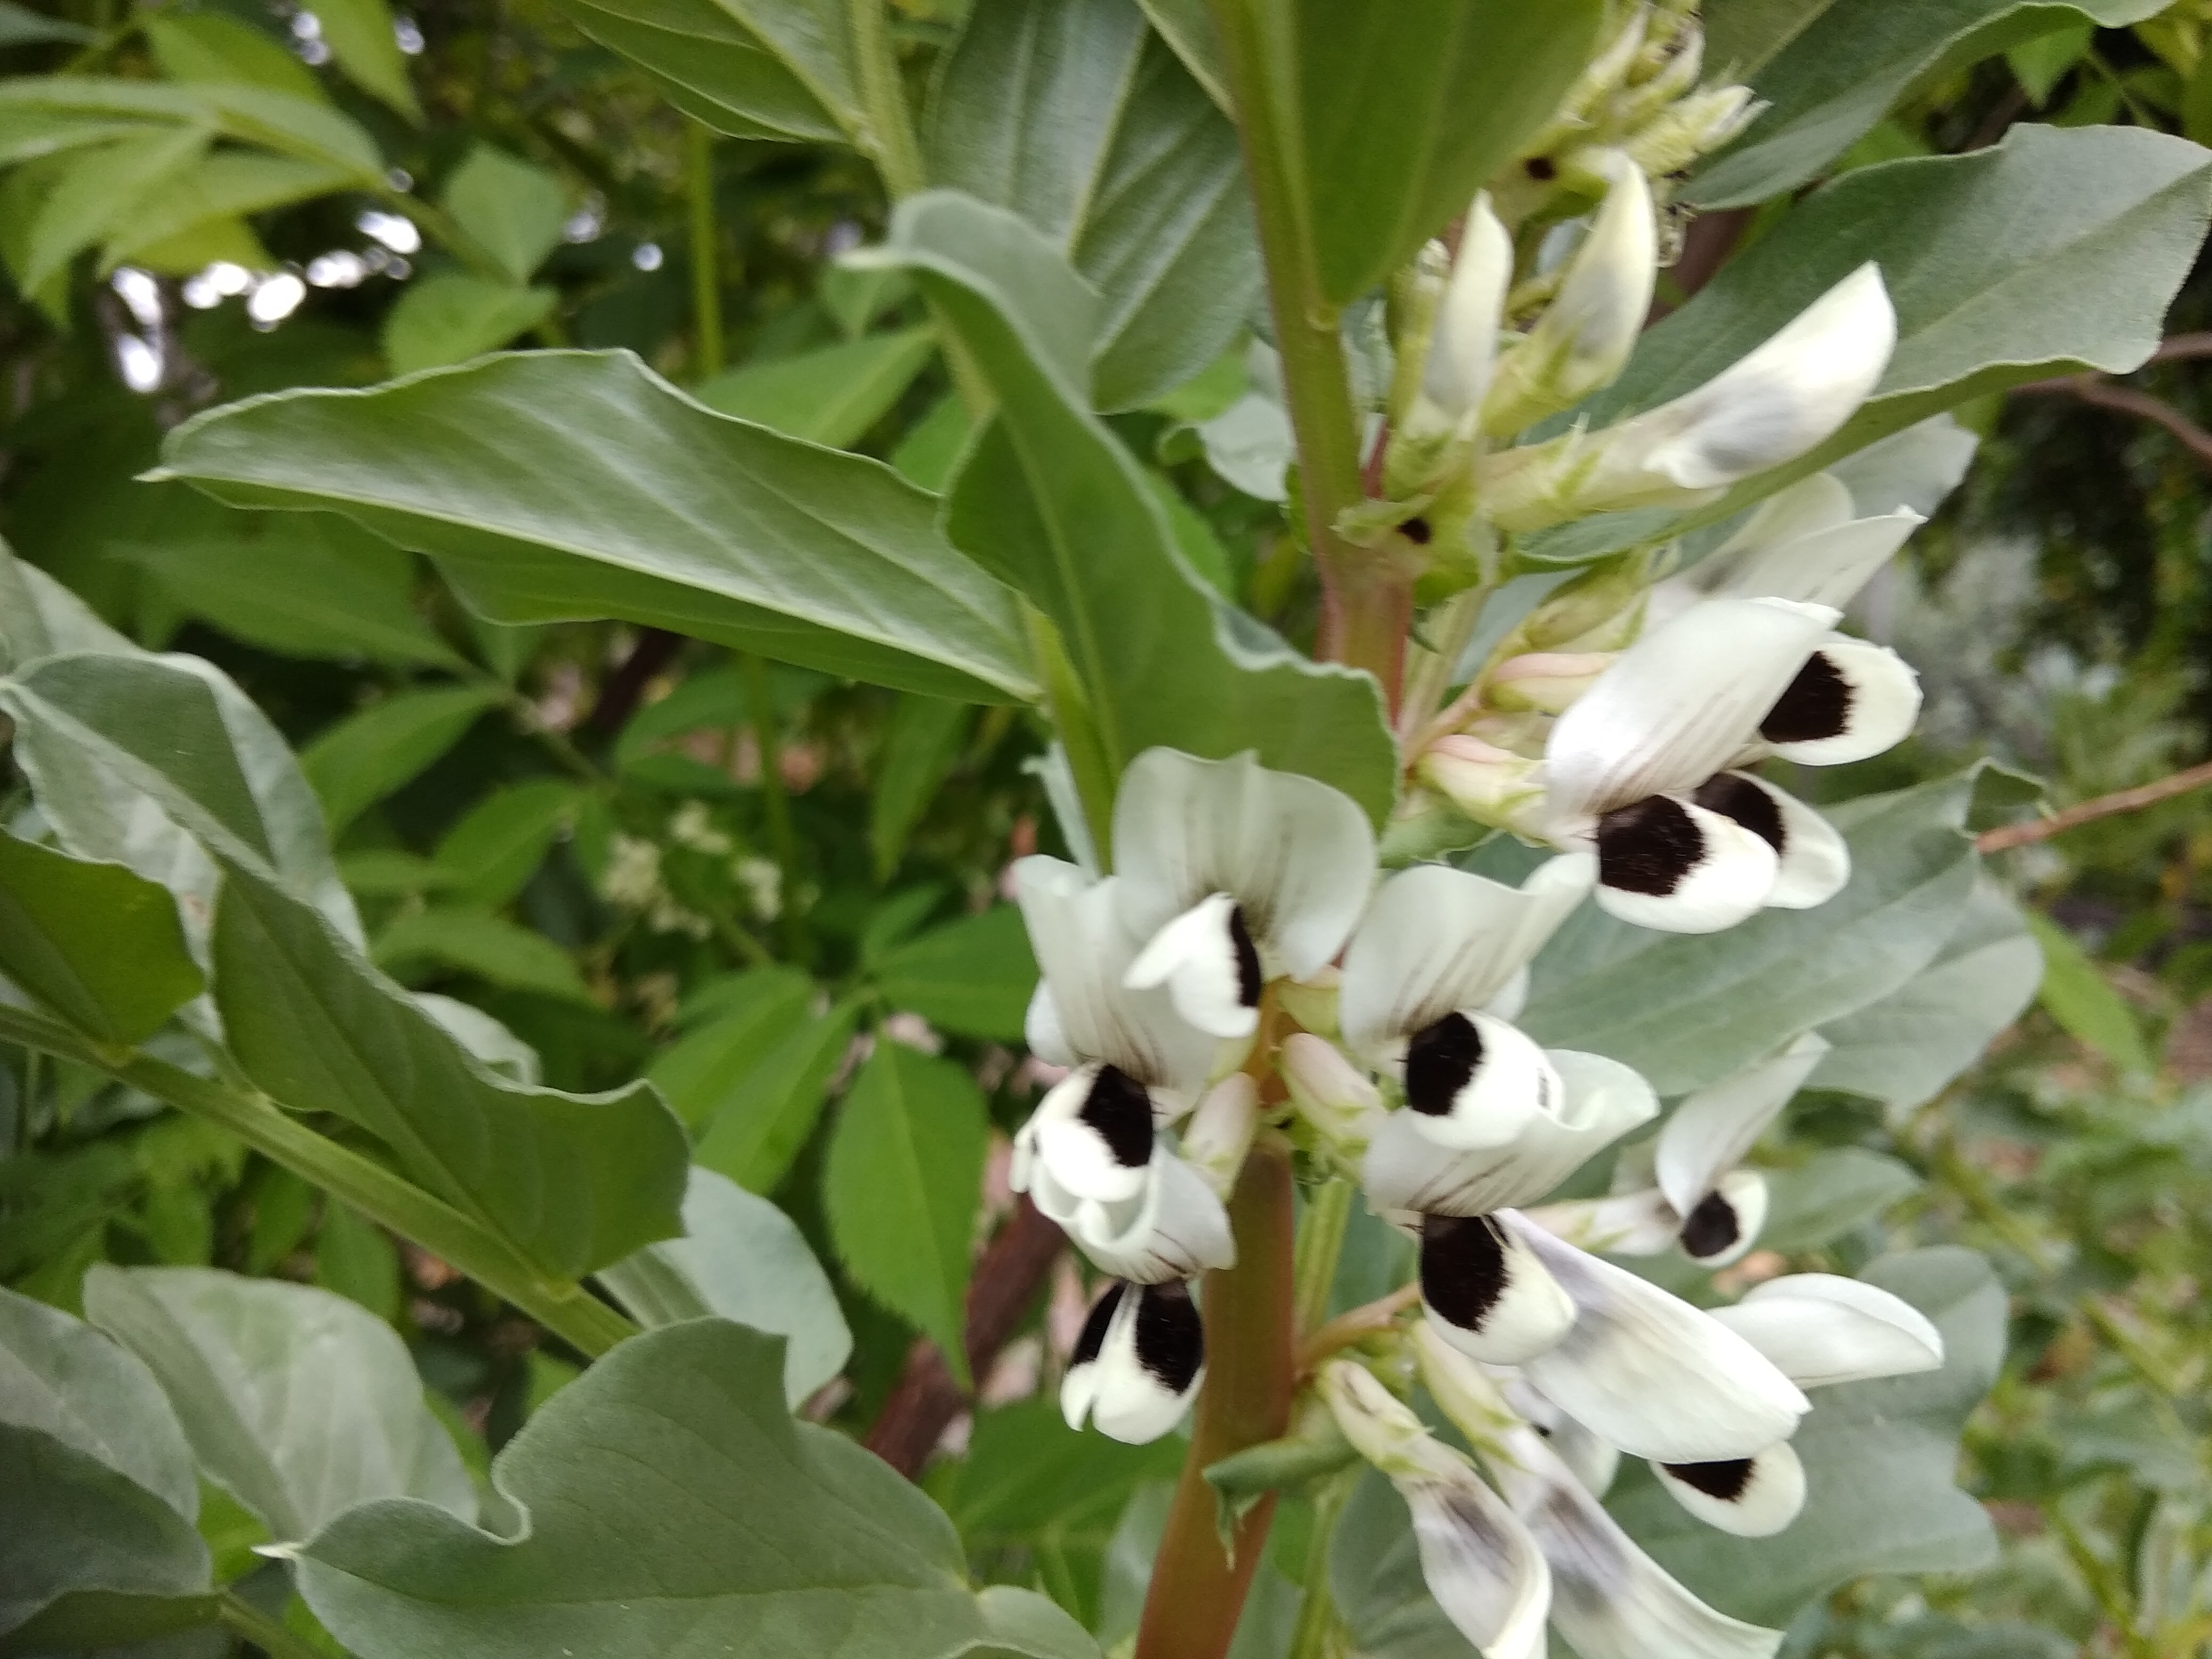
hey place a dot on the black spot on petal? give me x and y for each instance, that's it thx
(1093, 1337)
(1712, 1227)
(1649, 845)
(1439, 1061)
(1248, 958)
(1736, 797)
(1171, 1336)
(1463, 1272)
(1120, 1112)
(1541, 168)
(1818, 704)
(1417, 530)
(1727, 1480)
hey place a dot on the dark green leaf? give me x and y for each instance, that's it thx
(706, 1070)
(674, 1506)
(356, 1258)
(900, 1186)
(309, 129)
(920, 746)
(500, 841)
(1831, 1195)
(296, 1402)
(488, 947)
(359, 33)
(1050, 501)
(1184, 25)
(555, 485)
(974, 976)
(2075, 992)
(207, 46)
(21, 27)
(451, 317)
(39, 618)
(757, 1134)
(96, 944)
(514, 211)
(710, 65)
(573, 1182)
(829, 396)
(363, 758)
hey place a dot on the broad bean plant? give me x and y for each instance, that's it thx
(1410, 1008)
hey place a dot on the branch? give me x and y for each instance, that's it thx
(2104, 806)
(1011, 1273)
(624, 690)
(2129, 400)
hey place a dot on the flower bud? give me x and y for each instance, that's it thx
(1219, 1132)
(1463, 343)
(1382, 1427)
(1596, 85)
(1548, 682)
(1697, 126)
(1679, 59)
(1329, 1093)
(1769, 408)
(1601, 610)
(1460, 1387)
(1587, 332)
(1312, 1001)
(1490, 785)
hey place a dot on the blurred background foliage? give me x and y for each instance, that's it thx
(644, 854)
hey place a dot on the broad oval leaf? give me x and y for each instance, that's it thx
(297, 1401)
(830, 396)
(753, 1136)
(673, 1506)
(365, 757)
(740, 1258)
(752, 1013)
(710, 65)
(99, 945)
(973, 976)
(568, 484)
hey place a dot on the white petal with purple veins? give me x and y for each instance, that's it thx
(1041, 1029)
(1827, 566)
(1821, 1329)
(1175, 1228)
(1481, 1565)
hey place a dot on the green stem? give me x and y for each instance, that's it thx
(1366, 605)
(1315, 1637)
(769, 740)
(706, 268)
(562, 1306)
(1197, 1590)
(890, 138)
(242, 1619)
(1088, 761)
(1321, 1241)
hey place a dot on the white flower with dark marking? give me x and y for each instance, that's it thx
(1803, 544)
(1138, 1362)
(1233, 875)
(1643, 768)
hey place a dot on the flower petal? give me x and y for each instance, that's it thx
(1725, 1224)
(1822, 1328)
(1472, 1081)
(1083, 951)
(1641, 1223)
(1093, 1131)
(1296, 856)
(1488, 1294)
(1609, 1598)
(1649, 1372)
(1815, 860)
(1463, 344)
(1850, 700)
(1599, 1101)
(1078, 1388)
(1220, 1131)
(1150, 1364)
(1207, 961)
(1825, 566)
(1435, 938)
(1712, 1129)
(1675, 707)
(1175, 1228)
(1042, 1031)
(1481, 1565)
(1672, 865)
(1752, 1497)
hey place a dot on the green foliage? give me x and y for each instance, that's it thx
(98, 945)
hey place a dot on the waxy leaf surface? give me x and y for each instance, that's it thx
(100, 946)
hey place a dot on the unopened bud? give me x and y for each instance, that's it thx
(1219, 1132)
(1695, 126)
(1382, 1427)
(1600, 610)
(1585, 335)
(1679, 60)
(1548, 682)
(1460, 1387)
(1329, 1092)
(1312, 1001)
(1596, 85)
(1492, 786)
(1773, 406)
(1463, 344)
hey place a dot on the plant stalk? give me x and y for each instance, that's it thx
(706, 264)
(1366, 605)
(242, 1619)
(1321, 1241)
(889, 138)
(562, 1306)
(1197, 1590)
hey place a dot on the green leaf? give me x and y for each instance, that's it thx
(484, 1037)
(740, 1258)
(1050, 501)
(573, 1182)
(1878, 1460)
(21, 27)
(1689, 1009)
(919, 747)
(354, 1258)
(707, 1069)
(100, 189)
(1404, 110)
(513, 209)
(900, 1186)
(2075, 992)
(94, 942)
(96, 732)
(671, 1505)
(2055, 252)
(296, 1402)
(365, 757)
(206, 46)
(1073, 115)
(305, 585)
(759, 1131)
(974, 976)
(39, 618)
(831, 395)
(1847, 61)
(1904, 1049)
(223, 186)
(478, 943)
(751, 68)
(1185, 26)
(97, 1492)
(451, 317)
(560, 485)
(1832, 1194)
(308, 128)
(359, 33)
(500, 842)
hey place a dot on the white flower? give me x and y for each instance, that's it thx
(1800, 543)
(1235, 875)
(1463, 342)
(1753, 1496)
(1137, 1364)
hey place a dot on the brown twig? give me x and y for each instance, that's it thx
(2089, 811)
(2129, 400)
(624, 688)
(1008, 1277)
(2176, 346)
